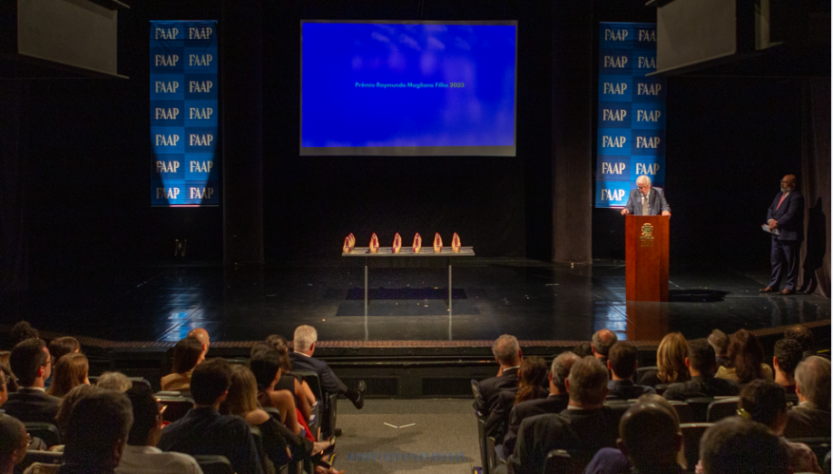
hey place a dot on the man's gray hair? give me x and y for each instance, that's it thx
(505, 349)
(603, 340)
(560, 369)
(305, 336)
(813, 379)
(644, 178)
(588, 381)
(114, 381)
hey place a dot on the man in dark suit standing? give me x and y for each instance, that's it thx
(646, 200)
(508, 354)
(786, 215)
(31, 363)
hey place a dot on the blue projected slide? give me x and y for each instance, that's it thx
(408, 88)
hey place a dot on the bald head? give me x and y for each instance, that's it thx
(202, 335)
(603, 340)
(788, 183)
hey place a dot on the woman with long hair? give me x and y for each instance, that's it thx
(71, 370)
(300, 387)
(746, 359)
(531, 378)
(188, 353)
(671, 368)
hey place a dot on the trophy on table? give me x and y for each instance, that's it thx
(455, 243)
(397, 243)
(374, 243)
(417, 246)
(438, 243)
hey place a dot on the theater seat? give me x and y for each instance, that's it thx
(43, 457)
(820, 446)
(683, 411)
(692, 433)
(177, 406)
(46, 431)
(483, 442)
(558, 462)
(214, 464)
(699, 408)
(722, 408)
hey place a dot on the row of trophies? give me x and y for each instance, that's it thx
(350, 243)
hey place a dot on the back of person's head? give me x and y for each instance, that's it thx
(145, 417)
(701, 357)
(187, 354)
(70, 371)
(650, 435)
(202, 335)
(583, 350)
(507, 350)
(622, 359)
(603, 340)
(13, 441)
(802, 335)
(61, 346)
(27, 357)
(746, 354)
(735, 445)
(671, 354)
(264, 363)
(304, 337)
(209, 381)
(560, 369)
(114, 381)
(21, 331)
(98, 428)
(242, 394)
(68, 401)
(531, 377)
(279, 343)
(788, 354)
(661, 402)
(764, 401)
(11, 380)
(812, 379)
(719, 341)
(587, 383)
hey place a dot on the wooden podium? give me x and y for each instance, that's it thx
(646, 258)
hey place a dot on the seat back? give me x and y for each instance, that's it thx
(683, 411)
(482, 441)
(43, 457)
(325, 410)
(558, 462)
(214, 464)
(46, 431)
(178, 406)
(699, 408)
(692, 433)
(722, 408)
(820, 446)
(640, 371)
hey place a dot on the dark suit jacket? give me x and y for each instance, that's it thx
(491, 387)
(29, 404)
(790, 216)
(330, 383)
(529, 408)
(807, 421)
(656, 202)
(626, 389)
(498, 418)
(702, 386)
(584, 430)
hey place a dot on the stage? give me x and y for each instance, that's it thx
(533, 300)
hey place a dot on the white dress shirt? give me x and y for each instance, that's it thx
(150, 459)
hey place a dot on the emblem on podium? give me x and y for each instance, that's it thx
(647, 237)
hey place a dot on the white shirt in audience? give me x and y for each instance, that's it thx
(150, 459)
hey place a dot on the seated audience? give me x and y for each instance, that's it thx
(31, 363)
(187, 354)
(13, 443)
(804, 336)
(735, 445)
(763, 401)
(65, 409)
(202, 335)
(720, 342)
(303, 344)
(70, 371)
(602, 341)
(114, 381)
(531, 377)
(11, 380)
(61, 346)
(583, 350)
(701, 365)
(97, 433)
(811, 418)
(508, 355)
(583, 428)
(746, 356)
(302, 389)
(671, 367)
(556, 402)
(21, 331)
(623, 363)
(265, 364)
(203, 430)
(289, 382)
(788, 355)
(141, 454)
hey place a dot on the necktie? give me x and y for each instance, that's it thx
(644, 205)
(782, 200)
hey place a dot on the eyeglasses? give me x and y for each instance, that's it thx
(49, 360)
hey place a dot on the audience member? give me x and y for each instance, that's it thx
(763, 401)
(583, 428)
(13, 443)
(204, 430)
(21, 331)
(737, 446)
(11, 380)
(265, 364)
(746, 356)
(788, 355)
(70, 371)
(304, 342)
(202, 335)
(532, 376)
(141, 454)
(811, 418)
(187, 354)
(583, 350)
(602, 341)
(97, 433)
(622, 363)
(32, 365)
(720, 342)
(114, 381)
(508, 354)
(65, 409)
(556, 402)
(671, 367)
(302, 389)
(804, 336)
(289, 382)
(4, 388)
(61, 346)
(701, 365)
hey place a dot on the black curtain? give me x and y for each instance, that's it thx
(13, 249)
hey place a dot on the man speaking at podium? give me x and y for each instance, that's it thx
(646, 201)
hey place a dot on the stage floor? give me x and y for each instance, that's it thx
(529, 299)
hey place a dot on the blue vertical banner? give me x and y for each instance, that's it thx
(183, 113)
(630, 138)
